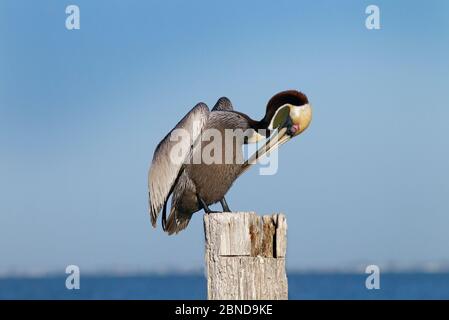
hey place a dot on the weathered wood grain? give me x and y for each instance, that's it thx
(245, 256)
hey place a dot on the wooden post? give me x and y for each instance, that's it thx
(245, 256)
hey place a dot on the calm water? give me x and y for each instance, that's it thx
(301, 286)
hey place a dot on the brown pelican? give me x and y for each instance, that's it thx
(195, 185)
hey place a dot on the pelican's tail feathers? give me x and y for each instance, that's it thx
(177, 221)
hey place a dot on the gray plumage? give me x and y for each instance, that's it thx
(188, 180)
(223, 104)
(163, 173)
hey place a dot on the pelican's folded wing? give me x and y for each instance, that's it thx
(223, 104)
(165, 168)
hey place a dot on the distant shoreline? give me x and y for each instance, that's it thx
(200, 273)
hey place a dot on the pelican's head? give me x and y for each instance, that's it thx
(288, 115)
(289, 110)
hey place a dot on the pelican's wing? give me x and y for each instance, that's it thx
(164, 171)
(223, 104)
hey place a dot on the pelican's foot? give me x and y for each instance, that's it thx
(212, 211)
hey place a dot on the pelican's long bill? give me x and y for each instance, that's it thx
(278, 138)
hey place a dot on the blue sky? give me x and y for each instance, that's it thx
(82, 111)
